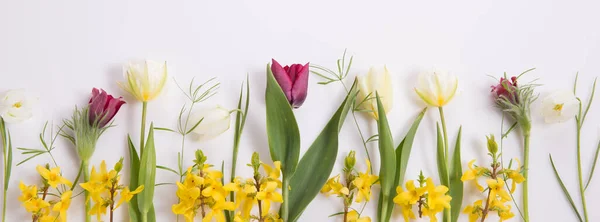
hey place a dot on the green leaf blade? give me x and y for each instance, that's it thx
(593, 167)
(456, 184)
(147, 174)
(388, 160)
(564, 189)
(441, 159)
(134, 161)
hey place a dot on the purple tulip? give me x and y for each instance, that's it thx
(293, 81)
(103, 107)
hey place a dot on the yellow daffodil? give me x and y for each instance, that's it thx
(363, 184)
(267, 194)
(35, 205)
(334, 186)
(437, 88)
(496, 187)
(126, 195)
(437, 199)
(52, 176)
(515, 176)
(353, 216)
(474, 211)
(472, 174)
(411, 195)
(27, 192)
(375, 82)
(144, 80)
(63, 205)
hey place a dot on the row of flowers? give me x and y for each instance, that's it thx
(293, 181)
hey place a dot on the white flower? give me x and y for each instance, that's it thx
(437, 88)
(16, 106)
(375, 81)
(559, 106)
(144, 80)
(214, 122)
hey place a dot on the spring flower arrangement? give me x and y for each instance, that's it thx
(281, 189)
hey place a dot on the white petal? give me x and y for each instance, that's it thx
(215, 122)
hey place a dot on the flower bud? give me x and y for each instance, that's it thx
(350, 161)
(293, 81)
(492, 146)
(200, 158)
(119, 165)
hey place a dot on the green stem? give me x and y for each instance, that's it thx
(447, 214)
(362, 138)
(285, 193)
(143, 128)
(144, 217)
(525, 175)
(4, 207)
(86, 178)
(579, 173)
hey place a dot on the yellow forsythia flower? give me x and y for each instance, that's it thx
(334, 186)
(267, 194)
(474, 211)
(363, 183)
(63, 205)
(472, 174)
(126, 195)
(52, 176)
(515, 176)
(496, 187)
(35, 205)
(411, 195)
(27, 192)
(353, 216)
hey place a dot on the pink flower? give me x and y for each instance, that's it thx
(293, 81)
(507, 89)
(103, 107)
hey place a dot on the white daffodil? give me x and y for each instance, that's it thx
(437, 88)
(214, 122)
(16, 106)
(559, 106)
(144, 80)
(375, 81)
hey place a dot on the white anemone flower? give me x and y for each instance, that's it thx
(215, 121)
(559, 106)
(16, 106)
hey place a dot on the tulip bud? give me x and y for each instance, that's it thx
(350, 161)
(293, 81)
(492, 146)
(376, 81)
(119, 165)
(214, 122)
(103, 107)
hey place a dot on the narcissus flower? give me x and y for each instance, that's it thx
(16, 106)
(103, 107)
(376, 81)
(560, 106)
(215, 121)
(293, 80)
(437, 88)
(145, 80)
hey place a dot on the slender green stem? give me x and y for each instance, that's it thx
(86, 178)
(143, 128)
(4, 207)
(526, 176)
(285, 193)
(362, 138)
(447, 214)
(579, 173)
(4, 187)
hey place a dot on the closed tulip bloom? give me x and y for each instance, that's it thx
(145, 80)
(560, 106)
(214, 122)
(375, 81)
(293, 80)
(437, 88)
(103, 107)
(16, 106)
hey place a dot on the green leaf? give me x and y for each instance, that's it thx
(134, 161)
(151, 214)
(317, 163)
(456, 184)
(147, 174)
(387, 171)
(402, 155)
(7, 147)
(282, 129)
(165, 129)
(441, 158)
(564, 189)
(593, 167)
(167, 169)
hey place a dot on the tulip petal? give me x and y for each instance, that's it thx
(284, 80)
(300, 87)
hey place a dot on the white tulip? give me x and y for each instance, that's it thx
(144, 80)
(214, 122)
(437, 88)
(16, 106)
(559, 106)
(375, 81)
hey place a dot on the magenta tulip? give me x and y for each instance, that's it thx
(103, 107)
(293, 80)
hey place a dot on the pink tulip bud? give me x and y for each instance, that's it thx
(507, 89)
(103, 107)
(293, 80)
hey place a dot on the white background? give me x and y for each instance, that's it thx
(58, 50)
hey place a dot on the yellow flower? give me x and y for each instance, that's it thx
(217, 211)
(273, 173)
(437, 199)
(268, 194)
(99, 209)
(187, 198)
(35, 205)
(472, 174)
(353, 216)
(334, 186)
(105, 177)
(515, 176)
(126, 194)
(52, 176)
(94, 186)
(375, 82)
(363, 183)
(505, 214)
(274, 217)
(407, 212)
(27, 192)
(245, 196)
(437, 88)
(48, 218)
(63, 205)
(496, 187)
(474, 211)
(145, 80)
(411, 196)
